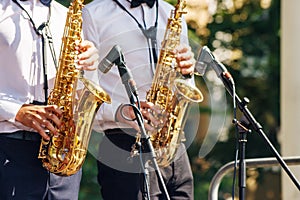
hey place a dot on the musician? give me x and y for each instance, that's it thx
(127, 23)
(24, 116)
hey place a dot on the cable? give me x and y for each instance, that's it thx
(237, 143)
(145, 191)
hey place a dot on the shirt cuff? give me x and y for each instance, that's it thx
(9, 109)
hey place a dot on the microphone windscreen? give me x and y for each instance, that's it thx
(108, 61)
(201, 64)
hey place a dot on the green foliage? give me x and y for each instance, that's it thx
(256, 73)
(89, 188)
(255, 33)
(64, 2)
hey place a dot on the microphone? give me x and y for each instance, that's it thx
(109, 60)
(115, 57)
(200, 66)
(205, 58)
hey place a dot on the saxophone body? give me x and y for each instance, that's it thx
(64, 153)
(171, 92)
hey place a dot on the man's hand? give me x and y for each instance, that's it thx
(185, 59)
(40, 118)
(150, 112)
(88, 55)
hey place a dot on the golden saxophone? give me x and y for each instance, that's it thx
(65, 152)
(171, 92)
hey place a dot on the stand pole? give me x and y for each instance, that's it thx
(243, 131)
(242, 166)
(139, 118)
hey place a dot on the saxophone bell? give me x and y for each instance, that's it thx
(187, 91)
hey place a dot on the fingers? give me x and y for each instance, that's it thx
(88, 55)
(49, 116)
(40, 118)
(40, 130)
(185, 59)
(125, 114)
(152, 115)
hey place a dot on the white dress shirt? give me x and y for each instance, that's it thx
(106, 24)
(21, 77)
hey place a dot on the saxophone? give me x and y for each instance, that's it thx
(171, 92)
(64, 153)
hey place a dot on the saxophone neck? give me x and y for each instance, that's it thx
(76, 6)
(179, 9)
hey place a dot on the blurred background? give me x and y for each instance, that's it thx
(246, 36)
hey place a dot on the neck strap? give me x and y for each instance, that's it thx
(36, 29)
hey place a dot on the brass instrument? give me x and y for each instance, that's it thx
(65, 152)
(171, 92)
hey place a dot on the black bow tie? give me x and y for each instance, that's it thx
(44, 2)
(136, 3)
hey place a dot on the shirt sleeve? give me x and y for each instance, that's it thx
(106, 111)
(9, 108)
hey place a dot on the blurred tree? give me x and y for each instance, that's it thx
(245, 36)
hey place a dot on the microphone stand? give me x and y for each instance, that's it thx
(250, 120)
(243, 131)
(124, 73)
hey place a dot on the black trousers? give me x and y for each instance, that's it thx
(22, 176)
(121, 176)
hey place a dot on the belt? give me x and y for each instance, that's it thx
(122, 138)
(22, 135)
(129, 131)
